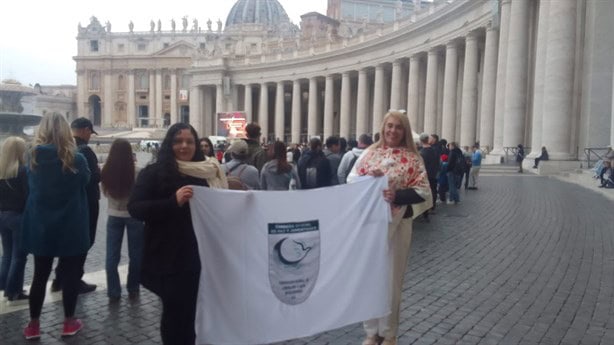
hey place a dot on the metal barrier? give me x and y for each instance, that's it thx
(512, 151)
(594, 154)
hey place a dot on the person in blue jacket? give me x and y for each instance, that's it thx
(55, 220)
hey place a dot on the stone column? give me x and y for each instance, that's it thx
(362, 101)
(219, 99)
(501, 82)
(296, 112)
(539, 74)
(195, 109)
(248, 103)
(82, 87)
(207, 112)
(612, 113)
(346, 91)
(174, 97)
(152, 98)
(448, 124)
(430, 102)
(559, 80)
(158, 116)
(516, 75)
(379, 92)
(413, 100)
(396, 85)
(489, 81)
(263, 113)
(279, 112)
(107, 118)
(131, 106)
(469, 105)
(329, 102)
(312, 110)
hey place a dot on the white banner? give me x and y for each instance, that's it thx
(279, 265)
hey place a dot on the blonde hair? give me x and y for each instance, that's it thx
(54, 130)
(11, 157)
(407, 140)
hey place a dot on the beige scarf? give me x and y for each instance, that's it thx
(209, 169)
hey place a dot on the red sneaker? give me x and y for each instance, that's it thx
(72, 327)
(32, 331)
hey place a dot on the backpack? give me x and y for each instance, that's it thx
(459, 167)
(234, 182)
(348, 170)
(311, 173)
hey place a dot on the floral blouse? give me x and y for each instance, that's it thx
(403, 168)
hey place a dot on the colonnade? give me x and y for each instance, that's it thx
(500, 85)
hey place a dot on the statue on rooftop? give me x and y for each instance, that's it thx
(184, 23)
(219, 25)
(131, 26)
(173, 25)
(159, 25)
(209, 24)
(108, 25)
(152, 26)
(195, 25)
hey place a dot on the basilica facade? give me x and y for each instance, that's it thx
(497, 72)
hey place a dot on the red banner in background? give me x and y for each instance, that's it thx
(231, 124)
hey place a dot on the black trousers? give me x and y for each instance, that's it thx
(42, 269)
(93, 206)
(178, 293)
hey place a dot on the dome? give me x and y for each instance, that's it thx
(265, 12)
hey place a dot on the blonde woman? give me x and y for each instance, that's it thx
(55, 221)
(395, 155)
(13, 193)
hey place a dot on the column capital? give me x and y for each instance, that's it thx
(329, 77)
(363, 70)
(505, 2)
(414, 58)
(451, 45)
(471, 36)
(433, 51)
(490, 26)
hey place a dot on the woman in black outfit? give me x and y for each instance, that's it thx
(171, 265)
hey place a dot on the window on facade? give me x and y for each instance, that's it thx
(94, 45)
(202, 46)
(167, 97)
(143, 80)
(166, 45)
(120, 47)
(167, 82)
(254, 46)
(228, 46)
(121, 82)
(94, 81)
(142, 97)
(185, 82)
(141, 46)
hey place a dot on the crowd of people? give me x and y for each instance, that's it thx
(50, 196)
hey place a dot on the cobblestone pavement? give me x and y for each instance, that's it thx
(523, 260)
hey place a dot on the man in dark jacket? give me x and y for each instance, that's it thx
(83, 129)
(431, 163)
(256, 155)
(313, 168)
(455, 171)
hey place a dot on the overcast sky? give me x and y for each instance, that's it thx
(38, 37)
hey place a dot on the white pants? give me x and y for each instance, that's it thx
(473, 174)
(400, 242)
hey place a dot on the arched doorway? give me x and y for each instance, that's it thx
(94, 109)
(167, 120)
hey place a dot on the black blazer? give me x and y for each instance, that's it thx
(169, 240)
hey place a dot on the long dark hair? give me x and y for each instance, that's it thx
(166, 156)
(117, 176)
(210, 153)
(279, 153)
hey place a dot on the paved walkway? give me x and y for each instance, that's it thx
(523, 260)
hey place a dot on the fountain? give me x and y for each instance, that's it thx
(12, 121)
